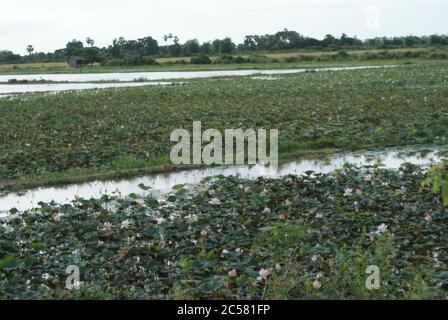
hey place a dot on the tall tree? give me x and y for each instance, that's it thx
(30, 49)
(90, 42)
(73, 48)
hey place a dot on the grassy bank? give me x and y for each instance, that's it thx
(46, 137)
(308, 237)
(45, 69)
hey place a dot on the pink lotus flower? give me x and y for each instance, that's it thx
(125, 224)
(107, 226)
(204, 233)
(382, 228)
(233, 273)
(267, 211)
(57, 217)
(264, 273)
(317, 285)
(368, 178)
(348, 192)
(428, 218)
(215, 202)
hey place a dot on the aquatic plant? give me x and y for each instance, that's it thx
(81, 133)
(135, 247)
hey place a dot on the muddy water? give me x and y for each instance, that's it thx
(163, 183)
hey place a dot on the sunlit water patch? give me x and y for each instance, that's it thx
(264, 78)
(163, 183)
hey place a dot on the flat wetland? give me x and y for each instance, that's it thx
(72, 134)
(314, 232)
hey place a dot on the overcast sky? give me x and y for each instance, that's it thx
(50, 24)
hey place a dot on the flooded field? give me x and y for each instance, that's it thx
(154, 76)
(163, 183)
(8, 89)
(137, 79)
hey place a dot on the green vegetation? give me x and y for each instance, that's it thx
(92, 132)
(311, 236)
(243, 60)
(438, 179)
(143, 50)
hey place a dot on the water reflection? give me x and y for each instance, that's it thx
(163, 183)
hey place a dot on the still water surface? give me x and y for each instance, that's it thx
(160, 76)
(163, 183)
(9, 89)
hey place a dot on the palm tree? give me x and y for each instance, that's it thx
(30, 49)
(90, 41)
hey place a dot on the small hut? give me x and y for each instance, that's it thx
(77, 61)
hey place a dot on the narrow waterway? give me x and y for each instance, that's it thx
(163, 183)
(8, 89)
(167, 75)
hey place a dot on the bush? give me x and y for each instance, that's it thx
(130, 61)
(202, 59)
(239, 60)
(438, 55)
(291, 59)
(147, 61)
(342, 55)
(224, 59)
(438, 180)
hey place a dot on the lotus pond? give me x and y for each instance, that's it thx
(297, 237)
(70, 135)
(306, 235)
(163, 183)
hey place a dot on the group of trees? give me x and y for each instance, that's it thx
(149, 47)
(91, 53)
(136, 50)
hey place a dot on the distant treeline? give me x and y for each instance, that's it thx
(146, 50)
